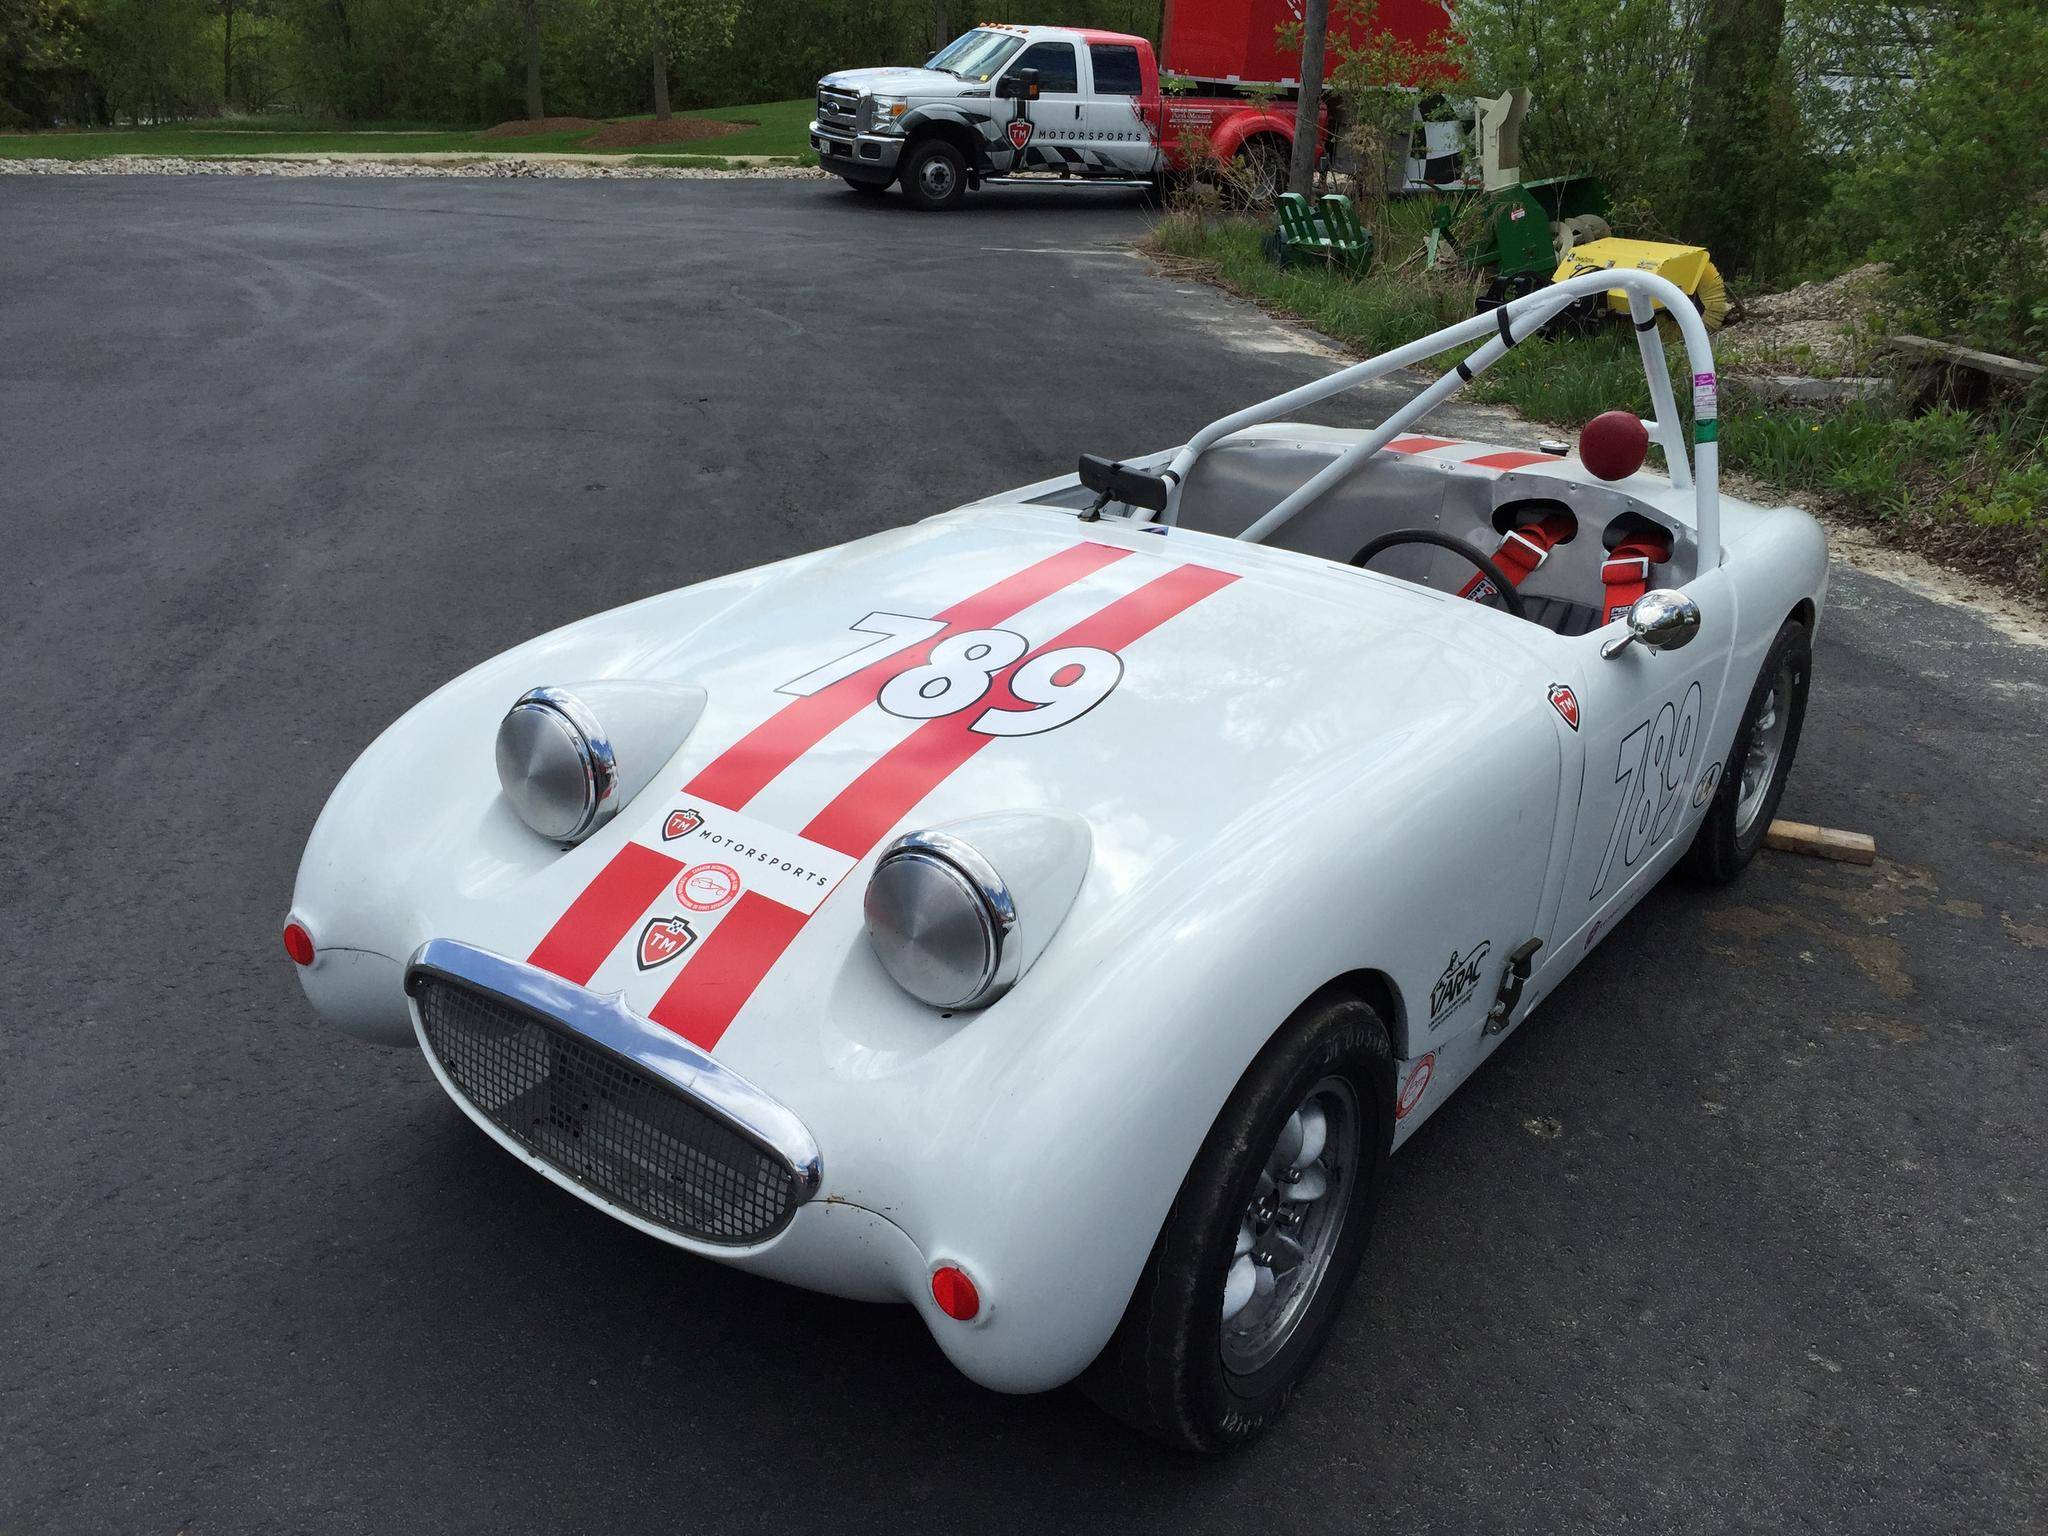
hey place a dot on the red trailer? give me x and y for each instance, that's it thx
(1236, 42)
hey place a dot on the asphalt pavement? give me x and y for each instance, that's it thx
(1743, 1232)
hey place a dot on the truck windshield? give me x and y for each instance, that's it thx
(976, 55)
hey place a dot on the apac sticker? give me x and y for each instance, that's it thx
(1706, 396)
(707, 887)
(1566, 703)
(662, 940)
(1459, 981)
(780, 865)
(1417, 1084)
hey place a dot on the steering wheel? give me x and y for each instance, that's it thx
(1510, 599)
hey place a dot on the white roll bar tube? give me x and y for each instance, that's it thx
(1537, 309)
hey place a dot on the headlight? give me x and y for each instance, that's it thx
(556, 765)
(884, 112)
(942, 921)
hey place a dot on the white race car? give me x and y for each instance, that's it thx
(1054, 914)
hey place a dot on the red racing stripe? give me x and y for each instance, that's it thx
(1421, 444)
(1514, 458)
(724, 972)
(596, 920)
(742, 949)
(745, 768)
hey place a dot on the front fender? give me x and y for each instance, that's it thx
(1042, 1145)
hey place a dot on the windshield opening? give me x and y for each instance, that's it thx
(976, 55)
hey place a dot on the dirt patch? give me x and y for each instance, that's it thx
(526, 127)
(1818, 329)
(677, 130)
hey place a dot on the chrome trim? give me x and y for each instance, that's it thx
(607, 1021)
(601, 797)
(1662, 619)
(965, 862)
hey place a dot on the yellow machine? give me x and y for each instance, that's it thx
(1689, 266)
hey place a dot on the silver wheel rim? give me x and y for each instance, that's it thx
(935, 177)
(1766, 746)
(1290, 1229)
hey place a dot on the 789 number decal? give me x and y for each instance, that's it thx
(1056, 687)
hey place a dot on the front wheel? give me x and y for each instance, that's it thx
(1263, 1239)
(1759, 762)
(934, 176)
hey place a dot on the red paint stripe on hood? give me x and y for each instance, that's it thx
(1513, 458)
(745, 768)
(596, 920)
(704, 1000)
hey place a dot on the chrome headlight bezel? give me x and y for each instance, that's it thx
(883, 118)
(930, 889)
(556, 766)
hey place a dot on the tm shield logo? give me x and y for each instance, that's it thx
(1020, 132)
(680, 824)
(662, 940)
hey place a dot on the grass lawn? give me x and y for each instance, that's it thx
(1967, 486)
(779, 129)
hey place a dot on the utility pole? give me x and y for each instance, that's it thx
(1315, 24)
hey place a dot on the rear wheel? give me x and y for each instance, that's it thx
(1263, 1239)
(934, 175)
(1259, 173)
(1759, 762)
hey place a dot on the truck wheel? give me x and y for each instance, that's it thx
(866, 188)
(1263, 1238)
(934, 175)
(1759, 762)
(1259, 173)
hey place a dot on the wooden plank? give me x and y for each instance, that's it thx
(1821, 842)
(2009, 368)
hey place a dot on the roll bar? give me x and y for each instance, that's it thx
(1505, 327)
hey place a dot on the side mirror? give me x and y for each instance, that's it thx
(1020, 86)
(1112, 481)
(1663, 620)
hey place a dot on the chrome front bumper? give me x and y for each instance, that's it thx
(863, 156)
(616, 1109)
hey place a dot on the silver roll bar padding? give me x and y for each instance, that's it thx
(1507, 325)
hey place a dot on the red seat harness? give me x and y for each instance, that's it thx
(1625, 575)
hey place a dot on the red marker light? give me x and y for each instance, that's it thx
(298, 943)
(955, 1294)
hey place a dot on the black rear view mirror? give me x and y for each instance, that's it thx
(1111, 481)
(1021, 86)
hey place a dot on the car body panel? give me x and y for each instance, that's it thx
(1303, 772)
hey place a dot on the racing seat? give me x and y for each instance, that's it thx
(1634, 545)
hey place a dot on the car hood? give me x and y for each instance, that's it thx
(896, 80)
(1250, 687)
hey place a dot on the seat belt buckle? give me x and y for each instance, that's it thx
(1540, 551)
(1640, 562)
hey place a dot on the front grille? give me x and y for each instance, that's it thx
(619, 1131)
(838, 109)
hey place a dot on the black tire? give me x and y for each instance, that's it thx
(1727, 840)
(1164, 1371)
(1259, 171)
(934, 176)
(866, 188)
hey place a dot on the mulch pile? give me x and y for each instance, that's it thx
(677, 130)
(523, 127)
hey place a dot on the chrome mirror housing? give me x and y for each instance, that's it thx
(1662, 620)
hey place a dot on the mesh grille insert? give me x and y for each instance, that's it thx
(591, 1114)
